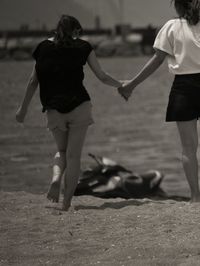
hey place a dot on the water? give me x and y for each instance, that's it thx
(133, 133)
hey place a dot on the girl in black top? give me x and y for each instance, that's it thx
(59, 73)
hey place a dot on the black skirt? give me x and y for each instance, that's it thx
(184, 98)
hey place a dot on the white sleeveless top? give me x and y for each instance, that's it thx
(181, 42)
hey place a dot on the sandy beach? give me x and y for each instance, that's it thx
(96, 231)
(106, 232)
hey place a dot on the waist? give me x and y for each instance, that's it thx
(188, 79)
(187, 83)
(64, 105)
(183, 76)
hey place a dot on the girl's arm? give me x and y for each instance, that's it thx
(151, 66)
(99, 73)
(30, 90)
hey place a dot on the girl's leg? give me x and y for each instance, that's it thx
(189, 139)
(59, 165)
(76, 139)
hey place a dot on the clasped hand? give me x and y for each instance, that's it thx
(126, 89)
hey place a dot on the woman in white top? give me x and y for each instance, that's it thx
(179, 42)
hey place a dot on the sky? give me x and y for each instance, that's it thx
(37, 13)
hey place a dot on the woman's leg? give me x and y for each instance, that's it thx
(189, 139)
(59, 165)
(76, 139)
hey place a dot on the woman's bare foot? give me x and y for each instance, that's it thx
(66, 205)
(54, 191)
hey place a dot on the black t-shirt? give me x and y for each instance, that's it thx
(60, 73)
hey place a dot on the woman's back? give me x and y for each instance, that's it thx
(60, 71)
(182, 43)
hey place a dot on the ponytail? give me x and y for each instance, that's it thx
(188, 9)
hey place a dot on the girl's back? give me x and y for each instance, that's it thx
(182, 43)
(62, 62)
(60, 72)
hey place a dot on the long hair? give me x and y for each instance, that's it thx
(65, 29)
(188, 9)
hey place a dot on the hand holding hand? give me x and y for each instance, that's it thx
(126, 89)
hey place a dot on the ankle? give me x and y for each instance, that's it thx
(66, 205)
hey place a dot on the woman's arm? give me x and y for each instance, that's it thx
(151, 66)
(30, 91)
(99, 73)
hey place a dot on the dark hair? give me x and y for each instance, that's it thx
(188, 9)
(65, 29)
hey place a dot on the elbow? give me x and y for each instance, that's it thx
(158, 61)
(161, 60)
(160, 57)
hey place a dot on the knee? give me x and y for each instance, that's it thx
(190, 149)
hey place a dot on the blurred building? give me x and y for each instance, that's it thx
(114, 27)
(109, 12)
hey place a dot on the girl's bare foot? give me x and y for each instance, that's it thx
(54, 191)
(66, 205)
